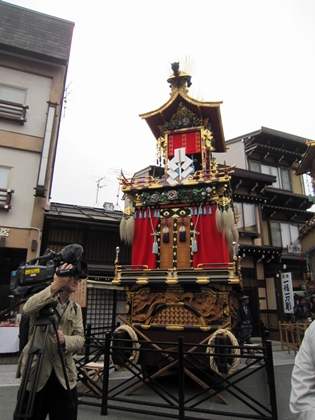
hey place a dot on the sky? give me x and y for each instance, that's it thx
(257, 56)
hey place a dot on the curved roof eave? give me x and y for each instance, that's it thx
(306, 164)
(186, 98)
(210, 110)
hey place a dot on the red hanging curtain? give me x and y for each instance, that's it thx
(212, 245)
(190, 140)
(143, 240)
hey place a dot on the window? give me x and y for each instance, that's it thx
(5, 172)
(12, 103)
(100, 308)
(5, 192)
(283, 234)
(247, 217)
(282, 174)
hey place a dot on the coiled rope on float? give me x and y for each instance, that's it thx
(234, 351)
(134, 357)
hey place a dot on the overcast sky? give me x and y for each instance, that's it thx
(257, 56)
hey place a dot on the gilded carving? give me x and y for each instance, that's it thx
(209, 304)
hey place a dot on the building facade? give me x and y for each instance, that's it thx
(97, 230)
(273, 206)
(307, 233)
(34, 57)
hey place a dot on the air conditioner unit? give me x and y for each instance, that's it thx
(295, 249)
(108, 206)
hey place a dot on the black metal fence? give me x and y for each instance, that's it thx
(178, 379)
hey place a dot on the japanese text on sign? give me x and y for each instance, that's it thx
(287, 292)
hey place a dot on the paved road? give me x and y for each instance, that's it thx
(283, 363)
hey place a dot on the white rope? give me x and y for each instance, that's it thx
(135, 345)
(155, 247)
(234, 352)
(194, 246)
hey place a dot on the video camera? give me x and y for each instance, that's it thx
(38, 273)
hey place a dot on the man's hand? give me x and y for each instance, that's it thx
(59, 282)
(61, 337)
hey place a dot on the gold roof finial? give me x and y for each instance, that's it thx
(179, 80)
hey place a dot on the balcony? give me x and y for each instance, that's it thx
(13, 111)
(5, 198)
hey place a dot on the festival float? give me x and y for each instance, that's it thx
(182, 226)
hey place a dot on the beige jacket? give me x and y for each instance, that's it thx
(302, 398)
(71, 325)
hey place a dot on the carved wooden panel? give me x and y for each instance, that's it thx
(175, 315)
(211, 306)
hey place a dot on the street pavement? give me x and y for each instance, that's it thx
(283, 364)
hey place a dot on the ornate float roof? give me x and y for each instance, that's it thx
(307, 164)
(206, 113)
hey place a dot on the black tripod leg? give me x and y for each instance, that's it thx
(60, 351)
(33, 352)
(44, 321)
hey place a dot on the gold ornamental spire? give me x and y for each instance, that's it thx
(179, 80)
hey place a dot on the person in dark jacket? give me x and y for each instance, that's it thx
(244, 321)
(301, 311)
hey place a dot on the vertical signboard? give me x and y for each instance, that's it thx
(80, 295)
(287, 292)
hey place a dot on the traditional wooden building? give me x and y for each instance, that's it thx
(97, 230)
(307, 232)
(274, 205)
(34, 58)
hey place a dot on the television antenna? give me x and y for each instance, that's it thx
(65, 99)
(98, 187)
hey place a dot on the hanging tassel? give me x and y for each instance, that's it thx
(229, 239)
(235, 234)
(230, 217)
(182, 234)
(122, 229)
(194, 245)
(166, 233)
(218, 219)
(155, 248)
(130, 230)
(182, 231)
(155, 245)
(224, 221)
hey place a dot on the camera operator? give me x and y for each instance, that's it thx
(52, 396)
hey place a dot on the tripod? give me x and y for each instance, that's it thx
(44, 320)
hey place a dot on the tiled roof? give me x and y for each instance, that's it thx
(61, 210)
(34, 34)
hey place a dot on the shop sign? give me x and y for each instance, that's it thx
(287, 292)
